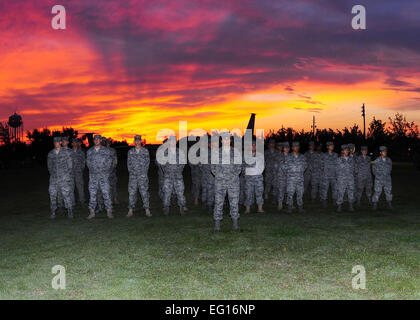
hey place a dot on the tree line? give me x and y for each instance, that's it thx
(402, 138)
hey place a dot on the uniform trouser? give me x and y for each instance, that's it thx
(345, 185)
(281, 188)
(315, 186)
(204, 186)
(386, 185)
(242, 188)
(99, 182)
(326, 183)
(63, 187)
(269, 179)
(113, 184)
(364, 183)
(221, 188)
(160, 184)
(177, 185)
(295, 185)
(79, 185)
(195, 182)
(60, 198)
(210, 191)
(140, 184)
(254, 188)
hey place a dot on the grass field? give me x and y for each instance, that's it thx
(277, 256)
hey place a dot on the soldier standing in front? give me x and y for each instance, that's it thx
(328, 174)
(60, 168)
(345, 169)
(99, 162)
(382, 167)
(363, 175)
(138, 161)
(295, 165)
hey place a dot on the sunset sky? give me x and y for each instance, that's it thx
(134, 67)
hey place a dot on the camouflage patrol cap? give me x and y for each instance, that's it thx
(56, 139)
(351, 145)
(97, 136)
(311, 143)
(295, 144)
(330, 143)
(137, 137)
(382, 148)
(65, 139)
(364, 148)
(286, 145)
(345, 146)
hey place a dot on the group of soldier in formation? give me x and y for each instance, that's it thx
(287, 174)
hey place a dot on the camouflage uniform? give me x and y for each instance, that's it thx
(328, 175)
(60, 168)
(281, 177)
(60, 200)
(364, 177)
(382, 168)
(295, 167)
(316, 164)
(226, 181)
(208, 183)
(308, 172)
(345, 169)
(99, 161)
(173, 181)
(138, 161)
(254, 186)
(113, 175)
(79, 163)
(270, 158)
(160, 180)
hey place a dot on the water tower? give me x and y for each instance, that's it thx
(15, 128)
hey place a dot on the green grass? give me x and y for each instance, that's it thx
(277, 256)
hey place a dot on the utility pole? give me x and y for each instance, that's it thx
(364, 121)
(313, 126)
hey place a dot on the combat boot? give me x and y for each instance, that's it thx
(351, 209)
(109, 214)
(280, 206)
(247, 209)
(390, 207)
(338, 208)
(91, 214)
(182, 211)
(166, 211)
(216, 225)
(301, 210)
(375, 206)
(196, 202)
(148, 214)
(260, 209)
(70, 214)
(289, 209)
(130, 213)
(236, 225)
(52, 216)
